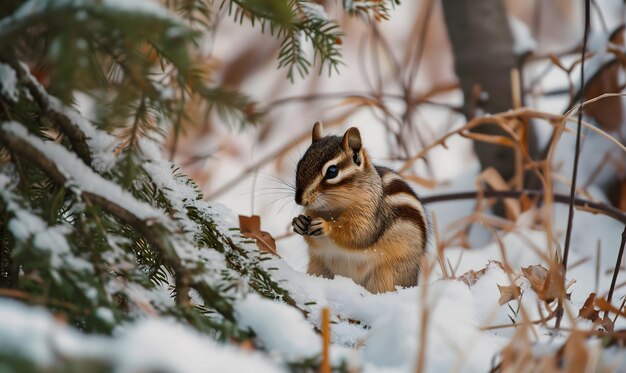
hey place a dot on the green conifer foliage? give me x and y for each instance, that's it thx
(93, 223)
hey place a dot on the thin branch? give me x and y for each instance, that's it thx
(75, 135)
(594, 207)
(570, 219)
(618, 263)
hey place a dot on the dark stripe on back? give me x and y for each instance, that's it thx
(382, 171)
(406, 212)
(397, 186)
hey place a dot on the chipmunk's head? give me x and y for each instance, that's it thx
(333, 172)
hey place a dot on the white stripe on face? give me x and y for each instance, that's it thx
(344, 172)
(333, 162)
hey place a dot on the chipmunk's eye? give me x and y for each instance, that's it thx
(331, 172)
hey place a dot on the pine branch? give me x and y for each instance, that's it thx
(379, 9)
(295, 21)
(154, 232)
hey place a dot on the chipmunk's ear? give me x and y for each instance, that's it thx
(352, 144)
(318, 131)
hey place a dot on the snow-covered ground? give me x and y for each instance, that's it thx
(458, 326)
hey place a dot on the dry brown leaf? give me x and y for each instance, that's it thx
(508, 293)
(537, 276)
(545, 283)
(470, 277)
(588, 312)
(251, 228)
(604, 305)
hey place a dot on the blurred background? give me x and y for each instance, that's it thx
(399, 84)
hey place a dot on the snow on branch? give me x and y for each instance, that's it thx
(28, 228)
(34, 10)
(67, 168)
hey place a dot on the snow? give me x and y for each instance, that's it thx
(523, 41)
(35, 8)
(371, 332)
(184, 350)
(395, 321)
(25, 226)
(82, 178)
(180, 195)
(148, 345)
(8, 83)
(279, 327)
(101, 145)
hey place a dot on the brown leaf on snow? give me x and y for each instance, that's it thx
(604, 305)
(588, 311)
(508, 293)
(537, 276)
(470, 277)
(251, 228)
(545, 283)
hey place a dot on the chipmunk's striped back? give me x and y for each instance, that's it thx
(403, 201)
(361, 221)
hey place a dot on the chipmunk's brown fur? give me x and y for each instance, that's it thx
(360, 221)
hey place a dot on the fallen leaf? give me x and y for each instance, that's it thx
(588, 311)
(508, 293)
(604, 305)
(251, 228)
(545, 283)
(537, 276)
(470, 277)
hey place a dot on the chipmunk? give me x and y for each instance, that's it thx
(360, 220)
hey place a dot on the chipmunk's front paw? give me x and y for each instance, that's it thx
(300, 224)
(316, 227)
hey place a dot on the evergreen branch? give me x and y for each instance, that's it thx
(196, 13)
(293, 21)
(230, 105)
(379, 9)
(77, 138)
(154, 232)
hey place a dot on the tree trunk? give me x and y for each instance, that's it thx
(482, 43)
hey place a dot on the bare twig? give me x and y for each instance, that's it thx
(325, 340)
(590, 206)
(618, 263)
(570, 217)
